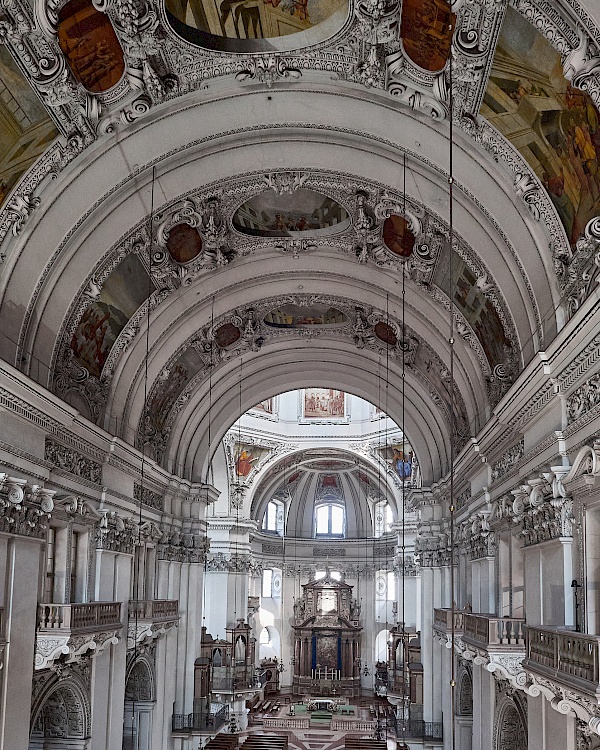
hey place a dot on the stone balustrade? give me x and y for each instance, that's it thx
(492, 633)
(154, 609)
(81, 617)
(563, 655)
(442, 620)
(67, 632)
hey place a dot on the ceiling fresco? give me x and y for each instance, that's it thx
(306, 213)
(292, 316)
(26, 128)
(524, 89)
(242, 26)
(554, 125)
(128, 286)
(90, 45)
(426, 31)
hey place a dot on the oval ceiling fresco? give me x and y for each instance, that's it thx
(184, 243)
(426, 30)
(293, 316)
(304, 213)
(256, 25)
(88, 41)
(397, 236)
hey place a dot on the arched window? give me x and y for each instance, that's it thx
(382, 517)
(273, 518)
(330, 520)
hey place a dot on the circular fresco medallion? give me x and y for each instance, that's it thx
(397, 236)
(226, 335)
(385, 333)
(184, 243)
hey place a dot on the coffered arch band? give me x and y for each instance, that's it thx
(65, 240)
(267, 374)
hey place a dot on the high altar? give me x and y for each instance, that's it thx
(326, 640)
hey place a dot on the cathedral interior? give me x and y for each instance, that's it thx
(299, 374)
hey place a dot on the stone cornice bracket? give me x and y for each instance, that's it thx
(51, 648)
(144, 633)
(508, 667)
(565, 701)
(582, 67)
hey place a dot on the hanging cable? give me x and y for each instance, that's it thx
(403, 509)
(451, 398)
(139, 554)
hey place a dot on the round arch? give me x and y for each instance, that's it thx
(61, 713)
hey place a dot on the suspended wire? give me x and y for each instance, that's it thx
(451, 400)
(141, 554)
(403, 414)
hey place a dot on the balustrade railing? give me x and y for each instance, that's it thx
(200, 722)
(489, 631)
(442, 620)
(88, 616)
(154, 609)
(416, 729)
(566, 653)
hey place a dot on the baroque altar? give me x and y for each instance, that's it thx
(326, 640)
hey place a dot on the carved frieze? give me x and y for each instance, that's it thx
(67, 459)
(583, 399)
(148, 497)
(508, 460)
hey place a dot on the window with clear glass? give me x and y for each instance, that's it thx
(329, 520)
(273, 517)
(267, 583)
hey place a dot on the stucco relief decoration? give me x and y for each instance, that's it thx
(195, 234)
(510, 723)
(177, 546)
(63, 715)
(543, 506)
(507, 461)
(115, 533)
(25, 509)
(69, 460)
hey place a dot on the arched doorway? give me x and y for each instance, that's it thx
(61, 718)
(464, 708)
(140, 699)
(511, 727)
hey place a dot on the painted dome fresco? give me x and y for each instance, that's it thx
(234, 26)
(305, 213)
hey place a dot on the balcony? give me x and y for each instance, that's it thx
(66, 631)
(492, 633)
(203, 722)
(498, 641)
(569, 658)
(150, 619)
(442, 623)
(233, 679)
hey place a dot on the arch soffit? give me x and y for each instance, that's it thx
(189, 450)
(135, 208)
(75, 690)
